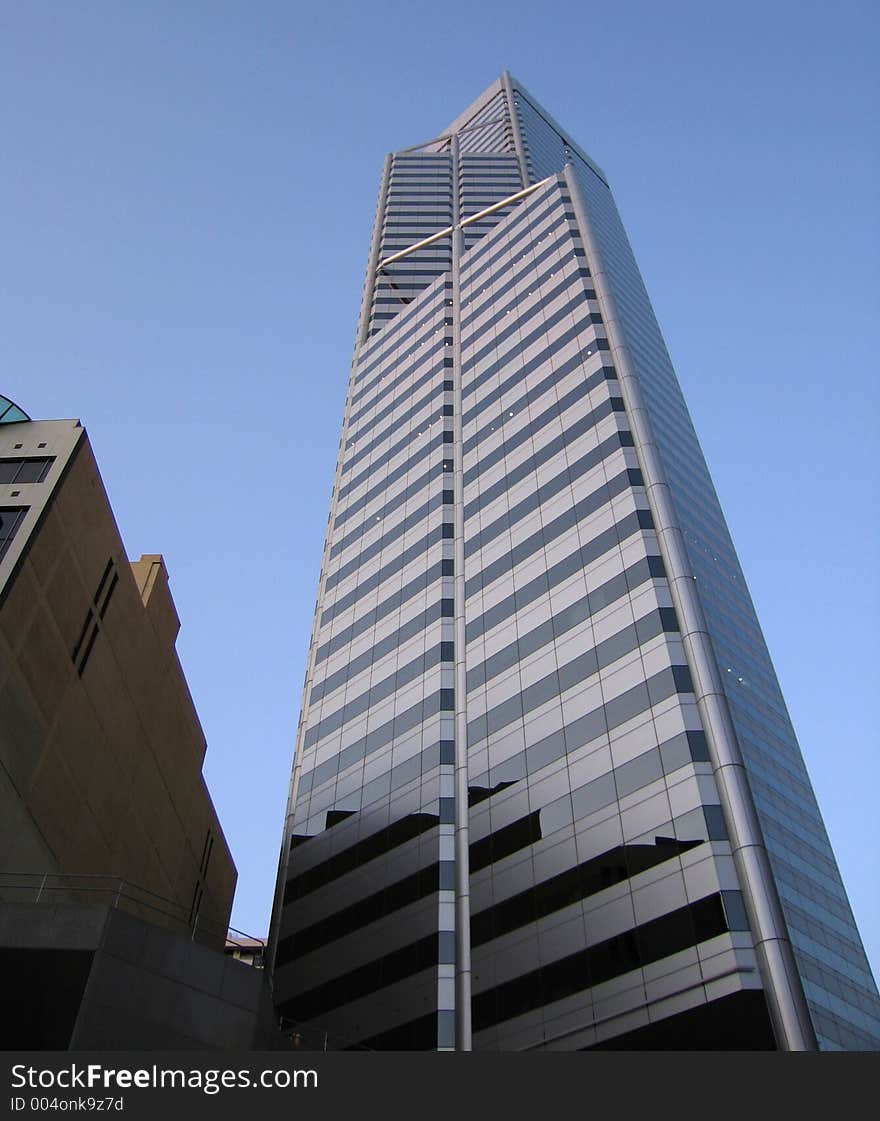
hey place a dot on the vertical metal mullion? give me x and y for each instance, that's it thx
(514, 125)
(370, 282)
(463, 1040)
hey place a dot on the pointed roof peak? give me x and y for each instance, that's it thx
(491, 91)
(503, 84)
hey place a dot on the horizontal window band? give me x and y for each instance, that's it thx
(477, 195)
(419, 583)
(554, 685)
(418, 766)
(394, 243)
(793, 884)
(565, 620)
(397, 530)
(531, 224)
(581, 510)
(571, 432)
(490, 159)
(418, 956)
(757, 737)
(600, 792)
(519, 228)
(413, 275)
(519, 280)
(839, 985)
(25, 469)
(437, 371)
(673, 754)
(435, 378)
(377, 693)
(765, 792)
(380, 649)
(412, 227)
(421, 330)
(522, 550)
(577, 393)
(471, 171)
(395, 449)
(398, 222)
(518, 323)
(436, 196)
(812, 927)
(393, 897)
(635, 774)
(421, 1034)
(642, 945)
(572, 886)
(406, 290)
(438, 610)
(539, 900)
(396, 564)
(541, 499)
(431, 705)
(393, 301)
(417, 186)
(426, 204)
(370, 552)
(408, 287)
(424, 452)
(12, 516)
(375, 356)
(572, 429)
(369, 848)
(386, 781)
(384, 485)
(781, 839)
(652, 941)
(474, 205)
(404, 282)
(536, 362)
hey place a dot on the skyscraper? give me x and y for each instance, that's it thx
(546, 792)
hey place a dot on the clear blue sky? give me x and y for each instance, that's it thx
(186, 199)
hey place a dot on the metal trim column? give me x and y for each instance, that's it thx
(782, 985)
(463, 1035)
(514, 125)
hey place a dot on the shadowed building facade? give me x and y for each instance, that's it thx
(116, 882)
(546, 793)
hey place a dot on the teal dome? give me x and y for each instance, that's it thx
(10, 412)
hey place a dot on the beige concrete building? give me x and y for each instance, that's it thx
(116, 882)
(101, 749)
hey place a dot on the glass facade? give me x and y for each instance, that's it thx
(512, 823)
(10, 413)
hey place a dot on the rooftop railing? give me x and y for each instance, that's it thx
(51, 888)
